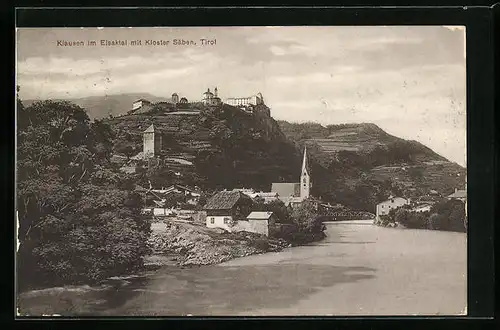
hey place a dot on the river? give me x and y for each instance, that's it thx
(358, 269)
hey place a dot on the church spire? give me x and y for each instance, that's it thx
(305, 179)
(304, 161)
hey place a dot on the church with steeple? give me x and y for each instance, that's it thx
(293, 193)
(305, 178)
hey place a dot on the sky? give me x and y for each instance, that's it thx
(409, 80)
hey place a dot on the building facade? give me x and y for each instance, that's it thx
(210, 98)
(459, 194)
(228, 210)
(245, 101)
(140, 106)
(385, 207)
(261, 222)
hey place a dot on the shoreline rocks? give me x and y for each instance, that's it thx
(197, 245)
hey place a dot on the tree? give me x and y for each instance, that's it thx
(278, 208)
(280, 211)
(79, 219)
(306, 218)
(450, 215)
(401, 216)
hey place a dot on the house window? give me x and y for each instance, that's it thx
(226, 220)
(212, 220)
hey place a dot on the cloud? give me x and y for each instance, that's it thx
(405, 78)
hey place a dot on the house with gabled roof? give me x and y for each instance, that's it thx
(226, 208)
(383, 208)
(232, 211)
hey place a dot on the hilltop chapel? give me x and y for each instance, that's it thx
(293, 193)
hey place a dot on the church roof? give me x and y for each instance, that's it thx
(286, 189)
(151, 129)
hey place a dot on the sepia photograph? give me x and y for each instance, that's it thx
(241, 171)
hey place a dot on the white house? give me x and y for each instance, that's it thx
(422, 208)
(226, 208)
(140, 106)
(384, 207)
(460, 194)
(231, 211)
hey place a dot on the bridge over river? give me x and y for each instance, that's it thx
(359, 269)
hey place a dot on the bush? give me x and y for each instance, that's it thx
(261, 244)
(449, 215)
(307, 225)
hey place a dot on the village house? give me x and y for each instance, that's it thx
(385, 207)
(192, 196)
(266, 196)
(140, 106)
(231, 211)
(459, 194)
(422, 208)
(261, 222)
(156, 199)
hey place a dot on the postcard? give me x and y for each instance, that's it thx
(241, 171)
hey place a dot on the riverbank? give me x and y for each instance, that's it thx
(185, 244)
(388, 224)
(357, 270)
